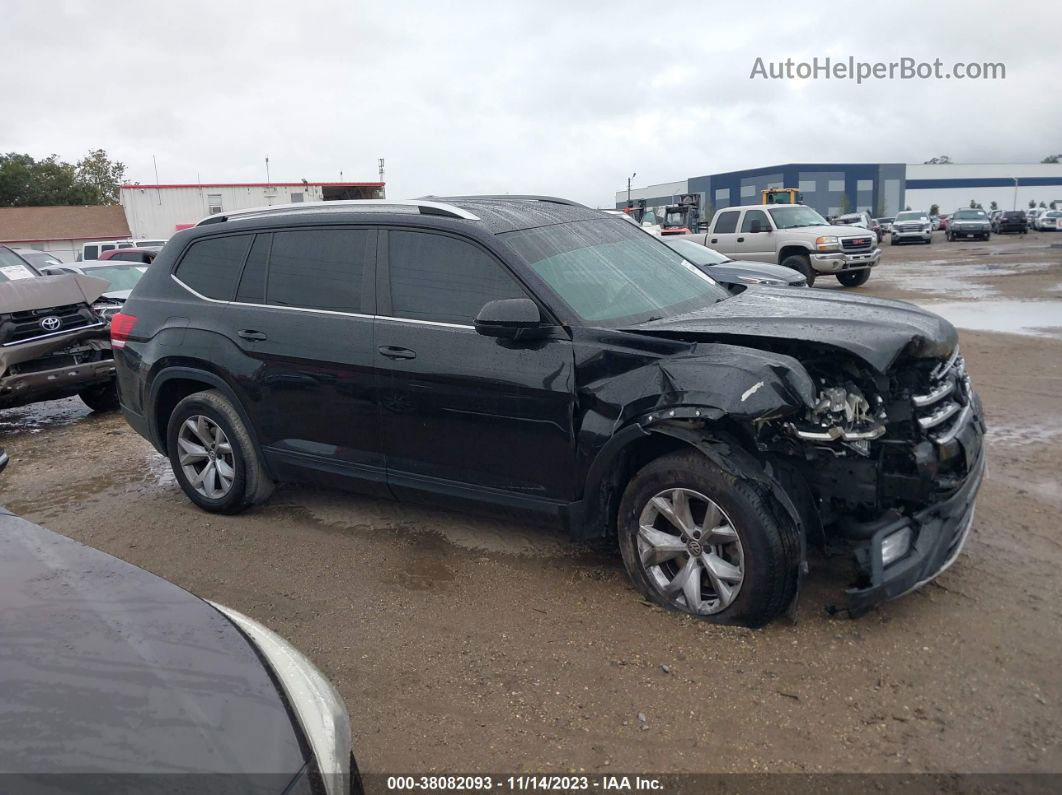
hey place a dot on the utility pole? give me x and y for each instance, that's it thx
(632, 176)
(267, 169)
(1015, 207)
(383, 188)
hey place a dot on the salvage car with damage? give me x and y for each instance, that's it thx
(532, 355)
(53, 342)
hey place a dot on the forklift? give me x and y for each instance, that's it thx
(781, 196)
(684, 217)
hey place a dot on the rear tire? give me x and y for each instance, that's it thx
(212, 455)
(739, 564)
(802, 265)
(854, 278)
(101, 398)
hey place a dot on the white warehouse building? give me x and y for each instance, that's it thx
(157, 211)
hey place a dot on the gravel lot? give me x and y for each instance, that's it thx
(466, 644)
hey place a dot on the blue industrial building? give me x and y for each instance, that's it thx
(881, 189)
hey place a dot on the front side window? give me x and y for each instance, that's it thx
(212, 266)
(444, 279)
(755, 215)
(320, 268)
(726, 223)
(91, 252)
(610, 274)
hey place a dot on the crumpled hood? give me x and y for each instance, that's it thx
(48, 291)
(110, 669)
(874, 329)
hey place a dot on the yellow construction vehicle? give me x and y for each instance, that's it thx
(780, 196)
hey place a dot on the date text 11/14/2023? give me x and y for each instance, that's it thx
(524, 783)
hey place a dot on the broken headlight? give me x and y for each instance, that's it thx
(843, 413)
(106, 310)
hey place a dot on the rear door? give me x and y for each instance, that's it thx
(755, 245)
(723, 237)
(464, 413)
(302, 316)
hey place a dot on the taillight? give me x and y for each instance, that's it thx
(121, 328)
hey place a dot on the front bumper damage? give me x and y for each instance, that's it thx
(55, 367)
(939, 533)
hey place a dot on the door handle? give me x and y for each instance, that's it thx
(741, 240)
(394, 352)
(252, 335)
(715, 240)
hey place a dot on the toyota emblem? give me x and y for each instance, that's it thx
(51, 323)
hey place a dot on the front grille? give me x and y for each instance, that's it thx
(856, 243)
(30, 324)
(908, 228)
(944, 408)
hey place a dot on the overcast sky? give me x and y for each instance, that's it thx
(521, 97)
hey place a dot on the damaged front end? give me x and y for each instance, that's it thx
(893, 462)
(882, 458)
(53, 344)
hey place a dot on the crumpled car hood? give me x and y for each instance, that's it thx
(110, 669)
(874, 329)
(47, 291)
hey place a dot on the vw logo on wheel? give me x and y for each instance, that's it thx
(51, 323)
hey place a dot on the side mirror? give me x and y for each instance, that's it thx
(510, 318)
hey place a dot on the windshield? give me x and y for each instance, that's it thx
(911, 215)
(12, 267)
(608, 273)
(119, 277)
(793, 217)
(967, 215)
(696, 253)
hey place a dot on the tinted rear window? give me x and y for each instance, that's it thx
(726, 223)
(211, 267)
(321, 268)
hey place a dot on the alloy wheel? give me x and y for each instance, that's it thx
(690, 551)
(206, 456)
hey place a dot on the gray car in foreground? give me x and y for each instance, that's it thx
(116, 680)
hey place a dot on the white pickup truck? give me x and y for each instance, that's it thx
(795, 236)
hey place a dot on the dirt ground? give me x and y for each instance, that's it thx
(467, 644)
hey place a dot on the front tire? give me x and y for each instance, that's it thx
(854, 278)
(699, 540)
(802, 265)
(101, 398)
(212, 455)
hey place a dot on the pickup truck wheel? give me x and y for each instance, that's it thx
(800, 264)
(212, 455)
(854, 278)
(699, 540)
(101, 398)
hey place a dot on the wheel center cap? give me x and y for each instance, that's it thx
(212, 455)
(694, 548)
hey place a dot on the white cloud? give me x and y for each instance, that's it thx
(550, 97)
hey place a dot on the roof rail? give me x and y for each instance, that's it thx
(420, 205)
(512, 197)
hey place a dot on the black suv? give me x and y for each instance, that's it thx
(1010, 221)
(535, 355)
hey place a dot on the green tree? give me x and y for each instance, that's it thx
(1032, 204)
(26, 182)
(993, 206)
(1052, 159)
(939, 160)
(98, 173)
(934, 209)
(1042, 205)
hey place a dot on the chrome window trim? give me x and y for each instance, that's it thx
(319, 311)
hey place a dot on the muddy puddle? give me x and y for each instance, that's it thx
(43, 416)
(1028, 318)
(938, 278)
